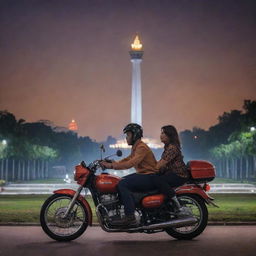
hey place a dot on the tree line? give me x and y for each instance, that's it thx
(230, 144)
(30, 150)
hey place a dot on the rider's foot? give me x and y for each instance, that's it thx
(183, 212)
(176, 202)
(128, 220)
(180, 211)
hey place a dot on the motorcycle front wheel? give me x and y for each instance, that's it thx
(55, 225)
(198, 209)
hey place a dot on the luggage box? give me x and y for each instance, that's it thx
(201, 171)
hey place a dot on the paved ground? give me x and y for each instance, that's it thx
(216, 240)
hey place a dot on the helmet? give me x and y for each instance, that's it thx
(135, 129)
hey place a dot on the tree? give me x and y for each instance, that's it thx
(9, 126)
(250, 112)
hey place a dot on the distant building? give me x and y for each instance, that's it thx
(73, 126)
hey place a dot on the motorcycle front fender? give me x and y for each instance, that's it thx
(80, 198)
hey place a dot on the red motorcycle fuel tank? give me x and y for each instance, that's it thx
(153, 201)
(106, 183)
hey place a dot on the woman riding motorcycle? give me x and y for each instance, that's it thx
(172, 169)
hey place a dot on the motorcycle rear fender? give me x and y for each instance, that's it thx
(193, 189)
(80, 198)
(196, 190)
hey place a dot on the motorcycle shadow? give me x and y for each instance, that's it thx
(152, 242)
(148, 247)
(109, 247)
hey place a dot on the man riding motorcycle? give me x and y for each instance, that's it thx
(144, 162)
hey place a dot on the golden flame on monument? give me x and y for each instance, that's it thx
(136, 46)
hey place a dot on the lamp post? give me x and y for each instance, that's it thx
(4, 143)
(252, 129)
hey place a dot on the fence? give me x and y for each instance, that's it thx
(22, 170)
(15, 189)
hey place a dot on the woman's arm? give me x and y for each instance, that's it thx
(168, 155)
(161, 163)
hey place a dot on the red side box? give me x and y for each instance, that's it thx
(202, 171)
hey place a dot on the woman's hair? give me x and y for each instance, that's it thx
(172, 134)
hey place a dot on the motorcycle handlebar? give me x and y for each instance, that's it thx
(96, 164)
(118, 153)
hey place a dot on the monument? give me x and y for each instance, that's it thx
(136, 54)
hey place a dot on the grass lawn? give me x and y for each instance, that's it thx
(26, 208)
(48, 181)
(233, 207)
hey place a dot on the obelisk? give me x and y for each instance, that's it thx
(136, 54)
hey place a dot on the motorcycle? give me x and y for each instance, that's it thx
(66, 214)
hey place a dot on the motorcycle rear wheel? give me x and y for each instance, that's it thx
(59, 228)
(199, 210)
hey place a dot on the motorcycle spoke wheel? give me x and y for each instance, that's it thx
(195, 209)
(53, 221)
(196, 206)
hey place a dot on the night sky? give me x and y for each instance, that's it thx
(61, 60)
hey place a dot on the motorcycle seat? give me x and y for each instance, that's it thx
(138, 196)
(147, 193)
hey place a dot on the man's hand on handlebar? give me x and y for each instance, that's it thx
(106, 165)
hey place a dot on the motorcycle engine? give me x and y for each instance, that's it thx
(108, 199)
(111, 205)
(114, 208)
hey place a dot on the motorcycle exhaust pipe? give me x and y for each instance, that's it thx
(186, 221)
(176, 223)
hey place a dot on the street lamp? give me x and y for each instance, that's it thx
(252, 129)
(4, 142)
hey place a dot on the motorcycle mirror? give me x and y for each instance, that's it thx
(83, 164)
(102, 148)
(119, 153)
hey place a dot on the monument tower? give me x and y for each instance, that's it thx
(136, 54)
